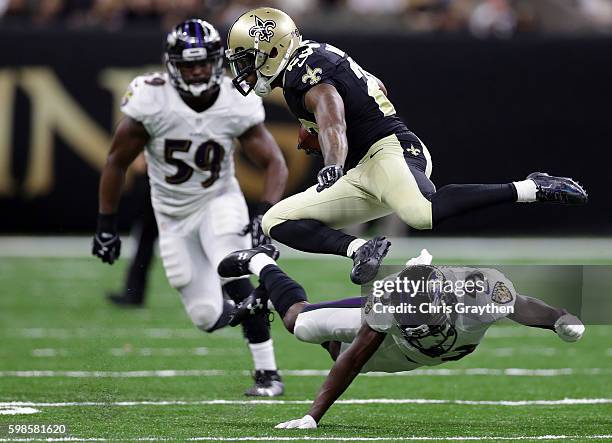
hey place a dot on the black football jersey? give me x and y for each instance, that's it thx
(369, 115)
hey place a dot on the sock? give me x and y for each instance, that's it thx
(353, 246)
(258, 262)
(526, 191)
(282, 290)
(263, 355)
(453, 200)
(238, 289)
(312, 236)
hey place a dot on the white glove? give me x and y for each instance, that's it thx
(424, 259)
(569, 328)
(306, 422)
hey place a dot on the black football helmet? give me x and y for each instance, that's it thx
(194, 41)
(432, 333)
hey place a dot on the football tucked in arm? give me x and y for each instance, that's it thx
(309, 142)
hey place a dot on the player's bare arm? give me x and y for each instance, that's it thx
(327, 105)
(532, 312)
(345, 370)
(261, 148)
(259, 145)
(128, 142)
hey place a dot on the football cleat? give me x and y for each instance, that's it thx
(558, 189)
(236, 264)
(255, 303)
(267, 384)
(368, 258)
(124, 300)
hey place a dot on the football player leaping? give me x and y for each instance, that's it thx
(373, 164)
(187, 120)
(364, 335)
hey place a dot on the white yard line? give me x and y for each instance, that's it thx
(165, 373)
(468, 248)
(356, 401)
(322, 438)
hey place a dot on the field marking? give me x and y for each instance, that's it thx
(169, 373)
(17, 410)
(477, 249)
(356, 401)
(326, 438)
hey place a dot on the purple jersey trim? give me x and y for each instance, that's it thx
(355, 302)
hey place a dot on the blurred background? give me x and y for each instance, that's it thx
(496, 89)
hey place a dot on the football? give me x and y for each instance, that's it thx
(308, 142)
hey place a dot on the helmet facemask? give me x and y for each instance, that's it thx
(261, 42)
(432, 333)
(194, 42)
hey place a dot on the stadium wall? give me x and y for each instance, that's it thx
(489, 111)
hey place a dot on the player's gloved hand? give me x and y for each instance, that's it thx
(328, 176)
(424, 259)
(254, 227)
(306, 422)
(569, 328)
(106, 242)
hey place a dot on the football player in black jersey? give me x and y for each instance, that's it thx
(374, 165)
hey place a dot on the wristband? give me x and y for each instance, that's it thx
(107, 223)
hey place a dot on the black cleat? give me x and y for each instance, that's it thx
(124, 301)
(267, 384)
(562, 190)
(236, 264)
(255, 303)
(367, 259)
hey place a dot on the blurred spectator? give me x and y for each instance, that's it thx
(378, 7)
(493, 18)
(599, 11)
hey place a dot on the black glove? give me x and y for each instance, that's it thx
(106, 242)
(254, 227)
(328, 176)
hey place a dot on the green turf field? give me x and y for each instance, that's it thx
(149, 375)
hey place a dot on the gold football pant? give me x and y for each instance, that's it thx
(381, 184)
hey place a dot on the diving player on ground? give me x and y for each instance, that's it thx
(374, 165)
(188, 120)
(364, 334)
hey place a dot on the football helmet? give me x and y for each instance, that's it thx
(431, 331)
(261, 41)
(194, 41)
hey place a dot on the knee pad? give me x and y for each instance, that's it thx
(417, 215)
(204, 315)
(303, 330)
(177, 263)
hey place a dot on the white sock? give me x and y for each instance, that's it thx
(353, 246)
(263, 355)
(526, 191)
(258, 262)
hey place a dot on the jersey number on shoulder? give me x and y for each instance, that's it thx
(374, 91)
(208, 157)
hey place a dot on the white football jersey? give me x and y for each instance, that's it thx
(190, 154)
(396, 353)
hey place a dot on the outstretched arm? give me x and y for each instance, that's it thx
(327, 105)
(341, 375)
(532, 312)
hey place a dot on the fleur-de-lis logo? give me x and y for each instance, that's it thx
(263, 29)
(414, 151)
(312, 75)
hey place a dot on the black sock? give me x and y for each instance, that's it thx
(239, 289)
(224, 318)
(312, 236)
(453, 200)
(282, 290)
